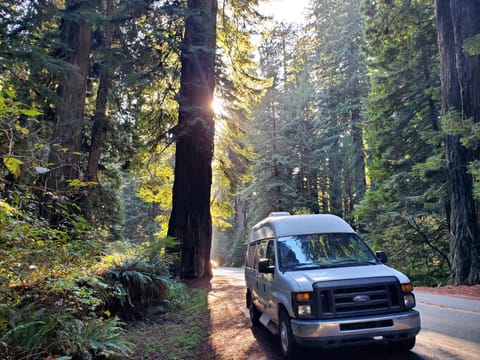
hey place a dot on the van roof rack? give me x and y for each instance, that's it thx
(279, 213)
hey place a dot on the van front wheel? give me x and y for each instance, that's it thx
(287, 341)
(254, 312)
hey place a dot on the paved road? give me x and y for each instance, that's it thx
(450, 330)
(449, 315)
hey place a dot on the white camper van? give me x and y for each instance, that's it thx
(314, 281)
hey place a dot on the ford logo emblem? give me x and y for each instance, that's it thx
(361, 298)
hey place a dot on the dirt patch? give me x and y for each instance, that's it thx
(465, 291)
(231, 333)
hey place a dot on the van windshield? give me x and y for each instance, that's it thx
(300, 252)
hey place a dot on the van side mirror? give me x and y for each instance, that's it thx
(382, 256)
(265, 267)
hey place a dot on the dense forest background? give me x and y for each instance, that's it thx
(368, 110)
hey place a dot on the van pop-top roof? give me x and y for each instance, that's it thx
(283, 224)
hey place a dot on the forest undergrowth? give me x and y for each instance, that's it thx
(66, 294)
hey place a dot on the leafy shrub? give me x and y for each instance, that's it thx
(176, 294)
(50, 304)
(138, 279)
(58, 299)
(43, 332)
(93, 338)
(27, 332)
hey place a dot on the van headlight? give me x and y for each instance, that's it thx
(409, 300)
(302, 304)
(408, 297)
(304, 310)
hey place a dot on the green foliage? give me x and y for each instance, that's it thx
(56, 298)
(472, 45)
(468, 131)
(137, 278)
(26, 333)
(93, 339)
(236, 254)
(30, 250)
(49, 304)
(403, 211)
(474, 169)
(53, 302)
(13, 165)
(176, 294)
(307, 129)
(52, 331)
(415, 241)
(153, 186)
(104, 207)
(17, 137)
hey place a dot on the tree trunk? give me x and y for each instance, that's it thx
(190, 221)
(64, 158)
(360, 182)
(335, 181)
(240, 213)
(458, 20)
(100, 120)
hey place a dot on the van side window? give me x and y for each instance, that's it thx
(270, 255)
(250, 258)
(260, 253)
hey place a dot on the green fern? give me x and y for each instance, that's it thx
(90, 339)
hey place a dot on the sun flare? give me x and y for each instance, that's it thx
(218, 106)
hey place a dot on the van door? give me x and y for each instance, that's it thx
(269, 283)
(257, 288)
(250, 271)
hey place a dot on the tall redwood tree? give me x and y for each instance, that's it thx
(190, 221)
(100, 120)
(65, 146)
(457, 21)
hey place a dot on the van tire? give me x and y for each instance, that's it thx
(287, 341)
(254, 312)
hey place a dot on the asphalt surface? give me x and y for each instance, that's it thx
(453, 302)
(450, 315)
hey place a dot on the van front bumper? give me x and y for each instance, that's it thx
(356, 330)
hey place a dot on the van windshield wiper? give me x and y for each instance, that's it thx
(332, 264)
(310, 266)
(354, 262)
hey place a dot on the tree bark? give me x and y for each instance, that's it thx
(458, 20)
(190, 221)
(100, 119)
(360, 182)
(65, 145)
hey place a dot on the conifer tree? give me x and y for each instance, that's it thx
(404, 209)
(457, 22)
(190, 221)
(65, 145)
(340, 87)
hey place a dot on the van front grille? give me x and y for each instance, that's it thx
(357, 297)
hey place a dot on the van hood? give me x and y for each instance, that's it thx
(306, 278)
